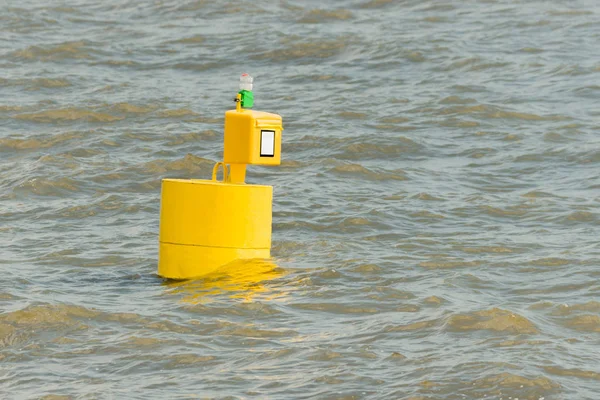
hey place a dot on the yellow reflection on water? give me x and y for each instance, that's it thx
(242, 279)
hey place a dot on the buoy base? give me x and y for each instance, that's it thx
(206, 224)
(184, 261)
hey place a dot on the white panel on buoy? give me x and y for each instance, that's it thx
(267, 143)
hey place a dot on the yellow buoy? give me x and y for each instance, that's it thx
(206, 224)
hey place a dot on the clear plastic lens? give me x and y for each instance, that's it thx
(246, 82)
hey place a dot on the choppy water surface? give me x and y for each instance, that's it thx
(436, 218)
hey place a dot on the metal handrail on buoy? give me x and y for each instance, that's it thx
(225, 171)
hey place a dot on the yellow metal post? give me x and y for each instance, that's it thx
(237, 173)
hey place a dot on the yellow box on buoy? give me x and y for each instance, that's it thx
(206, 224)
(252, 137)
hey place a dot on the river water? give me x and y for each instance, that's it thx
(436, 214)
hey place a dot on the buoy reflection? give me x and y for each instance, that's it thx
(240, 279)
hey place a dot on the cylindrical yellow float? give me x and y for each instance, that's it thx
(207, 224)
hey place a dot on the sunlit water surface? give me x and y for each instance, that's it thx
(436, 215)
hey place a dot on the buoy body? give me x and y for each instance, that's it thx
(207, 224)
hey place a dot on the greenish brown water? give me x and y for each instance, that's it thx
(436, 215)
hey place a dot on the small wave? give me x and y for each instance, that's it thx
(448, 264)
(196, 39)
(254, 332)
(66, 10)
(10, 336)
(38, 143)
(73, 50)
(320, 16)
(354, 221)
(49, 83)
(291, 164)
(434, 301)
(426, 197)
(336, 308)
(435, 20)
(296, 51)
(538, 194)
(137, 342)
(20, 144)
(117, 63)
(456, 123)
(489, 65)
(364, 150)
(471, 64)
(198, 66)
(456, 100)
(495, 319)
(19, 326)
(312, 142)
(512, 343)
(47, 187)
(68, 114)
(394, 128)
(326, 355)
(5, 295)
(78, 212)
(251, 309)
(493, 112)
(566, 309)
(426, 216)
(385, 294)
(508, 380)
(511, 137)
(438, 7)
(176, 113)
(5, 108)
(177, 360)
(111, 203)
(570, 13)
(578, 373)
(192, 137)
(395, 356)
(206, 120)
(367, 269)
(550, 262)
(37, 83)
(478, 109)
(414, 326)
(486, 249)
(301, 79)
(376, 3)
(528, 24)
(465, 62)
(45, 315)
(531, 50)
(394, 120)
(352, 115)
(584, 323)
(582, 216)
(360, 171)
(157, 325)
(345, 225)
(525, 116)
(132, 108)
(190, 164)
(514, 211)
